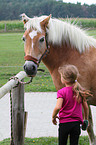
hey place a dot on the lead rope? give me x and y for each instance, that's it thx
(11, 110)
(12, 141)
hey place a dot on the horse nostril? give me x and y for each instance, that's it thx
(23, 38)
(33, 68)
(24, 67)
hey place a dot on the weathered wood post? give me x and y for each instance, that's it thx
(18, 114)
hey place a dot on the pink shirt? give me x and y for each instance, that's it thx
(71, 110)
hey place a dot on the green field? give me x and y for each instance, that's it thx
(12, 60)
(46, 141)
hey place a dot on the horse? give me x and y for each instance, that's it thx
(56, 43)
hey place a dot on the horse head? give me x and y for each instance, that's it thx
(35, 42)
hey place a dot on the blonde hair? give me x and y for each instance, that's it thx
(70, 74)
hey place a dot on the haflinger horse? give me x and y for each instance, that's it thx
(57, 43)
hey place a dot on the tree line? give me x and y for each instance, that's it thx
(11, 9)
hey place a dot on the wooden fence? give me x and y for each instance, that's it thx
(18, 114)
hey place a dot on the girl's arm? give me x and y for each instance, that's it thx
(86, 110)
(86, 114)
(56, 110)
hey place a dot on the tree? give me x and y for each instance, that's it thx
(11, 9)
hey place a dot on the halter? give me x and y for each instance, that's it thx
(35, 60)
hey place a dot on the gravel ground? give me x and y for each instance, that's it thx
(39, 107)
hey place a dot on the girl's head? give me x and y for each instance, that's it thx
(69, 74)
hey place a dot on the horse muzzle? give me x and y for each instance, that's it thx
(30, 68)
(31, 64)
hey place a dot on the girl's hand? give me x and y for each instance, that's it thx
(54, 120)
(85, 125)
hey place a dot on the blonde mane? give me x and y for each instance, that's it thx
(59, 31)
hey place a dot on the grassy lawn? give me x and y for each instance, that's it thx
(12, 60)
(46, 141)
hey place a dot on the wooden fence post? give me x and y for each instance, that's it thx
(18, 114)
(19, 117)
(5, 27)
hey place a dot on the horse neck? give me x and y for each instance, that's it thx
(59, 55)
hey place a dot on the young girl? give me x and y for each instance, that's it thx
(70, 100)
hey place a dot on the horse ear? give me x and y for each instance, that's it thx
(25, 18)
(45, 22)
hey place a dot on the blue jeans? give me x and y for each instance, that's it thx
(70, 128)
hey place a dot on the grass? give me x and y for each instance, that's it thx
(12, 60)
(46, 141)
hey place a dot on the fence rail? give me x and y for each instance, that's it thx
(12, 83)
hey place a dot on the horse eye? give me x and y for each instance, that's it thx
(42, 39)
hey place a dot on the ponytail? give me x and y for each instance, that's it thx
(80, 93)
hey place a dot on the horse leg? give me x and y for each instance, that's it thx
(90, 131)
